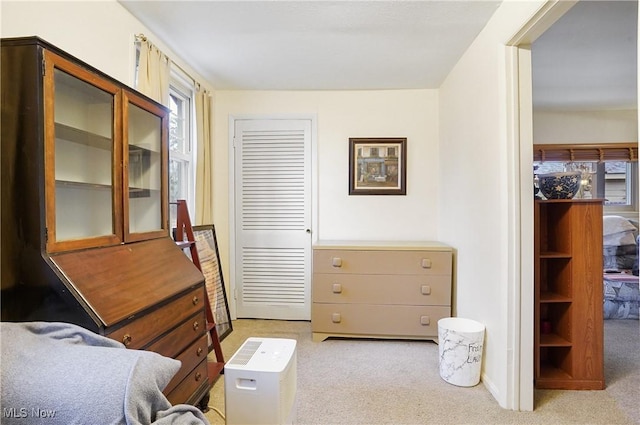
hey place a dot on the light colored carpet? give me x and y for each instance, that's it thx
(352, 381)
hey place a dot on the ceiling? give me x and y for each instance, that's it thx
(588, 57)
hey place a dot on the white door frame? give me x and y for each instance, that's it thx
(520, 374)
(232, 186)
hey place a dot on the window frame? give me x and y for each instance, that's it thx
(184, 88)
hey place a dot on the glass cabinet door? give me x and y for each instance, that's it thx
(81, 151)
(145, 153)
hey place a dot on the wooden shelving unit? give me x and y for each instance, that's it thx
(568, 294)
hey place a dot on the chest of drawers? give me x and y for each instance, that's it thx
(382, 290)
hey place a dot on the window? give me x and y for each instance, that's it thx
(612, 168)
(181, 146)
(614, 181)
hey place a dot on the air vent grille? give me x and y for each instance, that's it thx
(245, 354)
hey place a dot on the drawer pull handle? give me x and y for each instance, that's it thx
(336, 262)
(126, 340)
(337, 288)
(425, 290)
(424, 320)
(199, 351)
(426, 263)
(195, 300)
(336, 318)
(198, 376)
(196, 325)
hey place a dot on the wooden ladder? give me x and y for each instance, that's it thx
(184, 228)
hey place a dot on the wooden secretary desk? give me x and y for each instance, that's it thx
(85, 228)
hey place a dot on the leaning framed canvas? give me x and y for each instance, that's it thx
(378, 166)
(207, 246)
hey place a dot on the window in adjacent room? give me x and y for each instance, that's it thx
(614, 181)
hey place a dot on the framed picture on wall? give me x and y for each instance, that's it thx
(207, 246)
(378, 166)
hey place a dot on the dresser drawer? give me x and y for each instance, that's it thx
(381, 261)
(382, 289)
(190, 358)
(174, 342)
(188, 386)
(377, 320)
(141, 331)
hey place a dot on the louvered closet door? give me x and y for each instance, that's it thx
(273, 244)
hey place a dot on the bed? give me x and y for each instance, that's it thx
(620, 258)
(59, 373)
(621, 296)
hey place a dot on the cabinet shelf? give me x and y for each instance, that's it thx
(553, 340)
(83, 137)
(555, 254)
(553, 297)
(552, 373)
(83, 185)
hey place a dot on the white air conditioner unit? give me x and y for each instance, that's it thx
(260, 382)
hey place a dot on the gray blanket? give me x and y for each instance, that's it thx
(57, 373)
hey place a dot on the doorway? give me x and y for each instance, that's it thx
(272, 214)
(529, 97)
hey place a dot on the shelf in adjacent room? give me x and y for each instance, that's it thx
(553, 340)
(553, 297)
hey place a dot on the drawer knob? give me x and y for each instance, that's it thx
(424, 320)
(199, 351)
(198, 376)
(126, 340)
(195, 300)
(337, 288)
(426, 263)
(196, 325)
(425, 290)
(336, 318)
(336, 262)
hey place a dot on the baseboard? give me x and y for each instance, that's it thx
(493, 389)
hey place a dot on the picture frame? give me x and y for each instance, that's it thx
(207, 246)
(378, 166)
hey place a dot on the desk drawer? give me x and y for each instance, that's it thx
(175, 341)
(381, 262)
(188, 386)
(377, 320)
(382, 289)
(190, 358)
(141, 331)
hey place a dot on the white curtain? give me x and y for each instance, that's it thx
(204, 165)
(153, 73)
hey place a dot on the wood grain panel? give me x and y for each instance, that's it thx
(190, 384)
(189, 359)
(145, 329)
(121, 281)
(173, 342)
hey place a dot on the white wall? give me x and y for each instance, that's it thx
(342, 114)
(606, 126)
(478, 185)
(98, 32)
